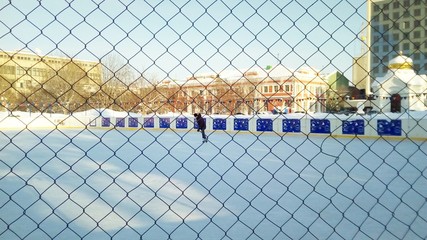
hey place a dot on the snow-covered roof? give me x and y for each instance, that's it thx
(400, 62)
(254, 73)
(105, 112)
(400, 69)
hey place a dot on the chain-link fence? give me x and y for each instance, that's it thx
(315, 116)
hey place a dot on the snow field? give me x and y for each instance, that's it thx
(101, 184)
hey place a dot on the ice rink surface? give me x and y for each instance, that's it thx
(167, 184)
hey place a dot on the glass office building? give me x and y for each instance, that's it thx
(397, 27)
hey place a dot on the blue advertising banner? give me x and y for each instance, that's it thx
(389, 128)
(133, 122)
(320, 126)
(181, 123)
(120, 122)
(241, 124)
(265, 125)
(219, 124)
(353, 127)
(149, 122)
(164, 122)
(291, 125)
(105, 122)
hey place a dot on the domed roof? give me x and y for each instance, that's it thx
(401, 62)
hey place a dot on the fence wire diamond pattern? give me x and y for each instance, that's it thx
(315, 113)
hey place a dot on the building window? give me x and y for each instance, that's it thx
(417, 34)
(385, 59)
(385, 37)
(376, 71)
(417, 45)
(265, 89)
(385, 17)
(417, 12)
(386, 27)
(377, 8)
(396, 48)
(396, 36)
(396, 15)
(406, 25)
(405, 46)
(417, 23)
(385, 48)
(396, 25)
(406, 14)
(416, 56)
(377, 38)
(376, 60)
(406, 35)
(385, 7)
(376, 18)
(396, 5)
(20, 71)
(5, 69)
(376, 49)
(406, 3)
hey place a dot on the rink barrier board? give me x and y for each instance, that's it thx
(357, 126)
(322, 126)
(164, 123)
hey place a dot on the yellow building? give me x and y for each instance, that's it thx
(26, 69)
(32, 78)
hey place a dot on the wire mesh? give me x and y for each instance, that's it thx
(315, 114)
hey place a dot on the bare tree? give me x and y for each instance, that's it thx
(113, 90)
(65, 85)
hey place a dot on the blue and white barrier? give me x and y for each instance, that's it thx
(403, 125)
(381, 125)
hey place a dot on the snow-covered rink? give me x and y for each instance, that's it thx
(166, 184)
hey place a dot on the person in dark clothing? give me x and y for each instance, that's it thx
(202, 126)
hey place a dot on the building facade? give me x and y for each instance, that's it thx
(397, 26)
(400, 89)
(251, 91)
(28, 78)
(26, 69)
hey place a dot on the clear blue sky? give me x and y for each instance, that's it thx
(178, 38)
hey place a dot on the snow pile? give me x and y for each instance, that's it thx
(103, 112)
